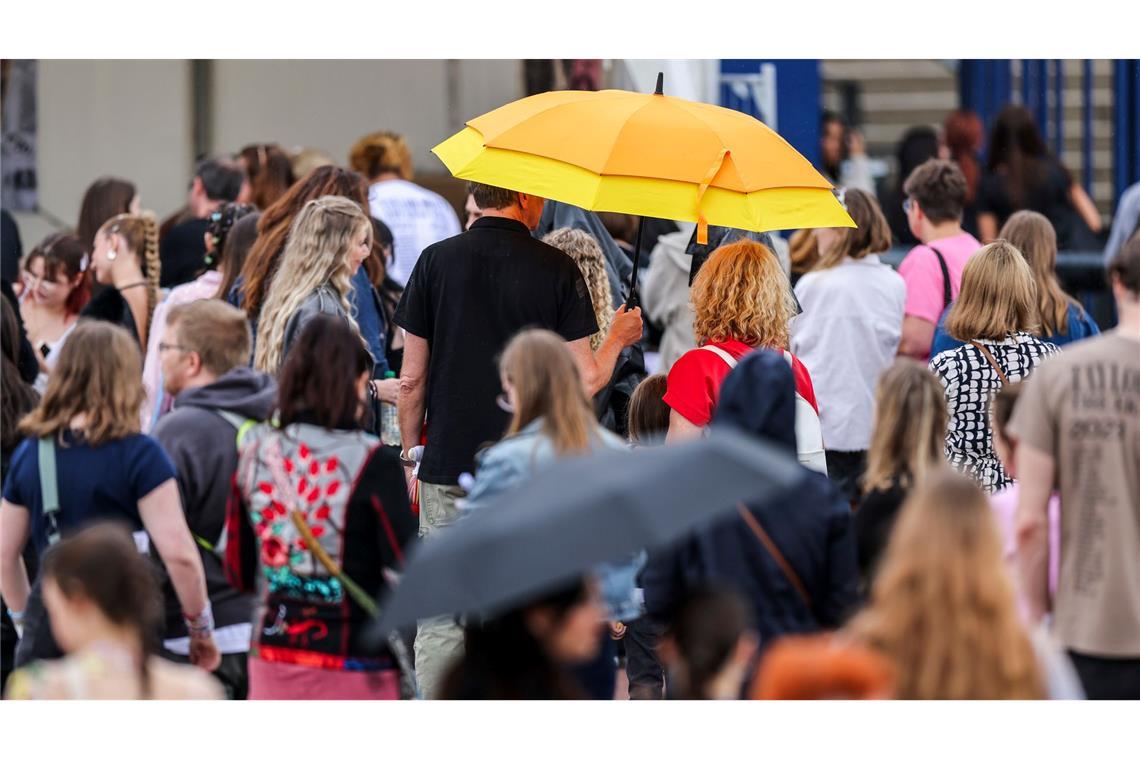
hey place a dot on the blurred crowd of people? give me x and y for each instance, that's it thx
(225, 432)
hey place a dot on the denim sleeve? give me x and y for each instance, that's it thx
(369, 318)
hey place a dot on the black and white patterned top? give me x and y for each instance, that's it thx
(970, 382)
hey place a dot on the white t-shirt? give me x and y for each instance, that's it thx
(846, 336)
(417, 217)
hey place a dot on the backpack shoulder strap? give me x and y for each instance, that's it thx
(241, 424)
(49, 488)
(726, 356)
(947, 294)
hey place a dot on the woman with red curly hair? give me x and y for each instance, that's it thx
(741, 301)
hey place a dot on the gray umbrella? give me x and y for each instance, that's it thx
(578, 513)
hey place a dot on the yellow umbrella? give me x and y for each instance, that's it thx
(650, 155)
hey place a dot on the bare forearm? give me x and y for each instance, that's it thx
(14, 583)
(1035, 470)
(1033, 565)
(186, 575)
(605, 359)
(411, 410)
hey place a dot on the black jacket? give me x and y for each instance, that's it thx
(812, 530)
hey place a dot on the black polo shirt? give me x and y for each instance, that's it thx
(468, 296)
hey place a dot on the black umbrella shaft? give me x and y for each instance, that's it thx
(633, 301)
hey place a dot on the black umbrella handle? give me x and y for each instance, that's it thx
(634, 299)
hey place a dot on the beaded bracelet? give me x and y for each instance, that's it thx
(202, 626)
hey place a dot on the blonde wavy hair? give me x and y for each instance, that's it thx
(998, 296)
(942, 606)
(587, 254)
(140, 234)
(910, 426)
(380, 152)
(99, 375)
(742, 293)
(315, 255)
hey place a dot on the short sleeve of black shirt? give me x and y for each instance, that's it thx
(576, 317)
(415, 312)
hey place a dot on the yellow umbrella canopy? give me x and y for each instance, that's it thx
(650, 155)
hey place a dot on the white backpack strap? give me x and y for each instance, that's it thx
(726, 356)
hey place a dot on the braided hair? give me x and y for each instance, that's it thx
(141, 235)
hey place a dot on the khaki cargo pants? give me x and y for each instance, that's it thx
(439, 641)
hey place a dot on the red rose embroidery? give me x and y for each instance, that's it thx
(303, 451)
(322, 513)
(274, 552)
(331, 464)
(333, 487)
(315, 469)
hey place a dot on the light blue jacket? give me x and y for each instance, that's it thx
(519, 456)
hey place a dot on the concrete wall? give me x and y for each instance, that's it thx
(127, 118)
(135, 118)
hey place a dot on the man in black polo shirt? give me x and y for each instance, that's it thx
(466, 298)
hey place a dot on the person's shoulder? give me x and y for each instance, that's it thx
(942, 362)
(182, 421)
(693, 360)
(22, 454)
(920, 256)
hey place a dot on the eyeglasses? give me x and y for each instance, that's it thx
(172, 346)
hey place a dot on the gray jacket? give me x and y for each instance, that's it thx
(203, 446)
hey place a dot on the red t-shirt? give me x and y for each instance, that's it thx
(693, 387)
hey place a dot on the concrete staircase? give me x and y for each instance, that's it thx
(888, 96)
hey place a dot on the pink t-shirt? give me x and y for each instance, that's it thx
(924, 291)
(1004, 505)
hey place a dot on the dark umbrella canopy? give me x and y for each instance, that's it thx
(578, 513)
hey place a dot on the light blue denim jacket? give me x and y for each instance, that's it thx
(518, 457)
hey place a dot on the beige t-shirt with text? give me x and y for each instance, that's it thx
(1083, 407)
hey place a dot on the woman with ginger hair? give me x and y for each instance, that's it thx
(741, 301)
(417, 216)
(943, 611)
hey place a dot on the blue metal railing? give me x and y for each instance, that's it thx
(1126, 124)
(985, 86)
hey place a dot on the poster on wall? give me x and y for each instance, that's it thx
(18, 125)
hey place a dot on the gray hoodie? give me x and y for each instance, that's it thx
(203, 447)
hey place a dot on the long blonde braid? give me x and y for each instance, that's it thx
(152, 265)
